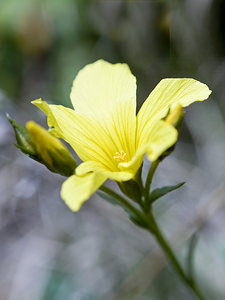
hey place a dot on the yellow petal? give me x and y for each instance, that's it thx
(92, 166)
(100, 87)
(104, 121)
(168, 93)
(107, 92)
(77, 189)
(87, 137)
(89, 166)
(162, 137)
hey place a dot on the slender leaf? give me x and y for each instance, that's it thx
(135, 219)
(113, 201)
(160, 192)
(190, 255)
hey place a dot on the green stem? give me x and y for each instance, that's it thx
(150, 224)
(148, 183)
(169, 252)
(123, 201)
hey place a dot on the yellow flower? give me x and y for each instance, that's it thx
(104, 130)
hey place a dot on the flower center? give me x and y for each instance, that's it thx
(120, 156)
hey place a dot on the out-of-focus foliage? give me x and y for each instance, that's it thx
(46, 251)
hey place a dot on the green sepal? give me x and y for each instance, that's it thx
(160, 192)
(63, 162)
(30, 154)
(23, 138)
(131, 189)
(138, 222)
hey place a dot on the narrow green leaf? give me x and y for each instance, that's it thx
(113, 201)
(190, 256)
(109, 198)
(135, 219)
(160, 192)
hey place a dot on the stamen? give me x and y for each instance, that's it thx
(120, 156)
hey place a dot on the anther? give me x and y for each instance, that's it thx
(120, 156)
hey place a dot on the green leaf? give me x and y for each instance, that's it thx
(135, 219)
(160, 192)
(113, 201)
(190, 255)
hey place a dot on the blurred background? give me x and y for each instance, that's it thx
(46, 251)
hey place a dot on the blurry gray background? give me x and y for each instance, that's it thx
(46, 251)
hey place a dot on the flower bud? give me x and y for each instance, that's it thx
(53, 153)
(175, 116)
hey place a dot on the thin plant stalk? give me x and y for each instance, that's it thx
(149, 178)
(173, 260)
(150, 225)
